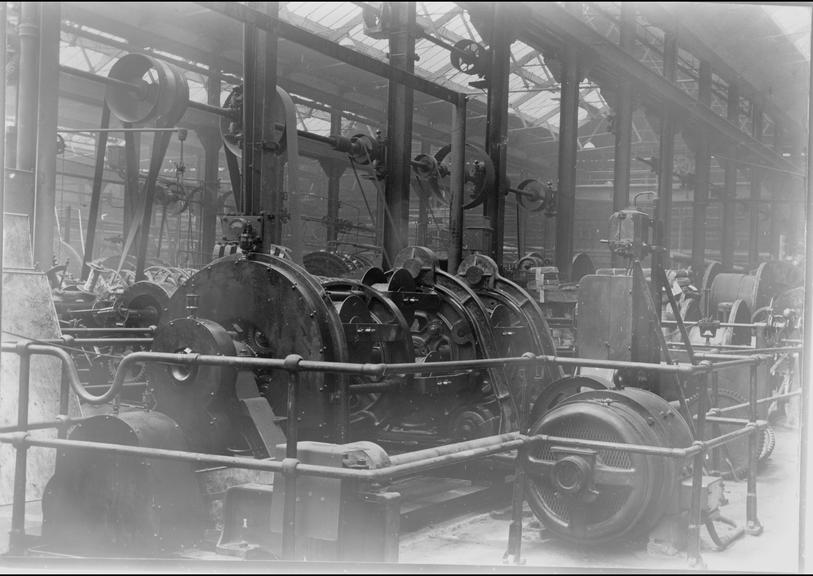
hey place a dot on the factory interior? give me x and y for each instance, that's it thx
(405, 286)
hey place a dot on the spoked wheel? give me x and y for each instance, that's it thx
(731, 460)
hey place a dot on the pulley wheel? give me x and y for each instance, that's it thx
(479, 175)
(157, 91)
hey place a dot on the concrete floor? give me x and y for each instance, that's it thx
(477, 542)
(481, 539)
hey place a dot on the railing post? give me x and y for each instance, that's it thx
(695, 511)
(752, 524)
(291, 461)
(17, 533)
(514, 552)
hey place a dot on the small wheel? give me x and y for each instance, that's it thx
(479, 177)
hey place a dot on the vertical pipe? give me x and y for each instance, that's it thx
(17, 533)
(64, 399)
(756, 191)
(568, 149)
(728, 223)
(752, 526)
(497, 125)
(27, 88)
(702, 164)
(399, 133)
(47, 121)
(96, 191)
(623, 123)
(457, 182)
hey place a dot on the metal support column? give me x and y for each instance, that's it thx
(497, 125)
(756, 191)
(268, 197)
(211, 141)
(423, 206)
(457, 182)
(568, 149)
(623, 122)
(666, 158)
(334, 171)
(702, 164)
(399, 133)
(47, 124)
(728, 230)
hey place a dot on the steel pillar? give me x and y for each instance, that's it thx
(211, 142)
(623, 122)
(497, 124)
(728, 222)
(568, 149)
(666, 158)
(47, 124)
(268, 196)
(457, 178)
(702, 164)
(334, 171)
(423, 207)
(756, 192)
(399, 133)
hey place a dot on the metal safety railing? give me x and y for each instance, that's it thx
(401, 465)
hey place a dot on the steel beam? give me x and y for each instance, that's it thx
(568, 150)
(550, 19)
(702, 164)
(399, 133)
(47, 123)
(728, 223)
(329, 48)
(668, 16)
(497, 124)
